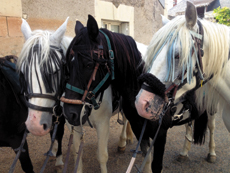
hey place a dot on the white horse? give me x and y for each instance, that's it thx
(170, 55)
(34, 65)
(189, 131)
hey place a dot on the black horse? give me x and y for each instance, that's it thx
(89, 49)
(14, 113)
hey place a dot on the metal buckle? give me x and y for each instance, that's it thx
(90, 95)
(111, 54)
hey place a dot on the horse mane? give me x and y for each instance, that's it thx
(215, 35)
(129, 63)
(216, 53)
(39, 44)
(127, 58)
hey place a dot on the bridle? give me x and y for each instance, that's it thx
(174, 87)
(91, 95)
(29, 93)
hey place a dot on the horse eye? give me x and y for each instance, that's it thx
(89, 65)
(177, 56)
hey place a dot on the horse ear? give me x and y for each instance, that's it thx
(92, 27)
(78, 27)
(25, 28)
(58, 35)
(164, 20)
(190, 15)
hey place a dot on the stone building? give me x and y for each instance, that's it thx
(137, 18)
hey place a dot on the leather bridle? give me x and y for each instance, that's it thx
(174, 87)
(91, 95)
(28, 95)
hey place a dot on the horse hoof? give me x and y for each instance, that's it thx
(182, 159)
(211, 158)
(58, 169)
(121, 149)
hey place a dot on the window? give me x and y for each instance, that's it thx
(114, 26)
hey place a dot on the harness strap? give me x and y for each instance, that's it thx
(90, 82)
(111, 55)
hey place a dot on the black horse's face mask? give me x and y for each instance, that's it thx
(155, 106)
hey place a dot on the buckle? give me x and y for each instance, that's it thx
(90, 95)
(111, 54)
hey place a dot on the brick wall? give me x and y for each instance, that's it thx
(11, 38)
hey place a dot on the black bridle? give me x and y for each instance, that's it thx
(28, 93)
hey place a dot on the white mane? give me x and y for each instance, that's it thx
(43, 39)
(216, 44)
(216, 52)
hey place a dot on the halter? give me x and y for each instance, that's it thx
(174, 87)
(29, 94)
(90, 95)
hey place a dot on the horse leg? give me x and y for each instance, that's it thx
(24, 157)
(123, 137)
(57, 148)
(211, 126)
(129, 133)
(102, 128)
(187, 144)
(126, 136)
(144, 148)
(225, 116)
(159, 148)
(76, 144)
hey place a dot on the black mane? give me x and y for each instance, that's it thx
(127, 59)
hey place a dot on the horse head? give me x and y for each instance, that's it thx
(41, 74)
(88, 66)
(183, 54)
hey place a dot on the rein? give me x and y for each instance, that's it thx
(18, 150)
(90, 95)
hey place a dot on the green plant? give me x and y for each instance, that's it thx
(222, 15)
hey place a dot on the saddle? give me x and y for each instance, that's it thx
(8, 69)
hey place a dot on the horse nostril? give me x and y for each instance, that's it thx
(45, 126)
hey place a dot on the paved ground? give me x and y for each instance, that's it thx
(118, 163)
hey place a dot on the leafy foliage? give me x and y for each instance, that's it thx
(222, 15)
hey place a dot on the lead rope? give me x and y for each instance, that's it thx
(70, 143)
(154, 139)
(49, 153)
(68, 151)
(19, 149)
(82, 141)
(136, 151)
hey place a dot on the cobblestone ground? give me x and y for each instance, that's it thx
(118, 163)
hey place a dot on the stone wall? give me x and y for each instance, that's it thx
(43, 14)
(147, 18)
(10, 32)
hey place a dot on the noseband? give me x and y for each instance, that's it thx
(29, 94)
(90, 95)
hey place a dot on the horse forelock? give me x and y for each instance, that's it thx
(38, 54)
(216, 44)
